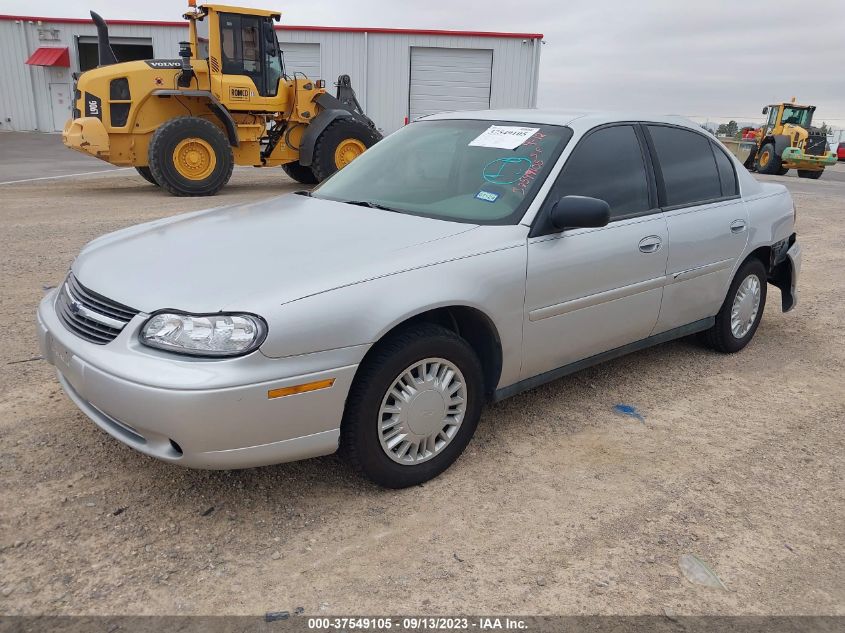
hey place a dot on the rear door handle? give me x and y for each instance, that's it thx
(738, 226)
(650, 244)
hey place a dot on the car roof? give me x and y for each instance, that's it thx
(577, 119)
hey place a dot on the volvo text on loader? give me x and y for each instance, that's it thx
(184, 123)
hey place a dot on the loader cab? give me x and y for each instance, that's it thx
(248, 47)
(244, 57)
(781, 114)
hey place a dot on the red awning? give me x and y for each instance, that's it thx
(50, 56)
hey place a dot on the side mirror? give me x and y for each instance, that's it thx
(576, 212)
(766, 110)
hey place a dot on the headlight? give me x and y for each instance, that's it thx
(204, 334)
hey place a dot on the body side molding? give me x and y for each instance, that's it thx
(560, 372)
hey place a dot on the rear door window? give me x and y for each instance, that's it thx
(687, 164)
(727, 174)
(608, 164)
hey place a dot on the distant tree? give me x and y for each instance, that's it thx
(826, 129)
(732, 128)
(722, 130)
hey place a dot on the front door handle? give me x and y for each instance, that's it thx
(650, 244)
(738, 226)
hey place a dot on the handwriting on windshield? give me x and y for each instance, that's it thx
(507, 170)
(535, 158)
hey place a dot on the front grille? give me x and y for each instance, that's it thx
(89, 315)
(816, 144)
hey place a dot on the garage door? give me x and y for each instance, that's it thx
(449, 79)
(302, 58)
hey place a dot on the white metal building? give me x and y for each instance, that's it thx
(396, 73)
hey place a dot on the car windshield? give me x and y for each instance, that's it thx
(483, 172)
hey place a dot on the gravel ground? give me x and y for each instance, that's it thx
(559, 505)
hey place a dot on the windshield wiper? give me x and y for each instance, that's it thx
(370, 205)
(302, 192)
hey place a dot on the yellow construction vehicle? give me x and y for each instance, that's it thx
(184, 123)
(787, 141)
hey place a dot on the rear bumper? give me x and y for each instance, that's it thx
(195, 413)
(87, 135)
(798, 159)
(794, 256)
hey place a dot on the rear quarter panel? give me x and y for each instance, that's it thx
(771, 216)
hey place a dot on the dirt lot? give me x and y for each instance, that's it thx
(559, 506)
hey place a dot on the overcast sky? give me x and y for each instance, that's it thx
(720, 59)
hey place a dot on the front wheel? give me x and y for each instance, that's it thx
(811, 174)
(344, 140)
(742, 310)
(768, 162)
(413, 407)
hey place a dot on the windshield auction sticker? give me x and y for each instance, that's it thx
(503, 136)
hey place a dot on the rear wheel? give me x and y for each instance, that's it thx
(340, 143)
(413, 407)
(768, 162)
(742, 310)
(300, 173)
(190, 156)
(147, 175)
(812, 175)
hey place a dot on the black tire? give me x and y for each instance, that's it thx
(323, 162)
(300, 173)
(812, 175)
(162, 165)
(147, 175)
(773, 162)
(782, 171)
(720, 337)
(359, 441)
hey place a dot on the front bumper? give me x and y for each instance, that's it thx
(798, 159)
(200, 413)
(87, 135)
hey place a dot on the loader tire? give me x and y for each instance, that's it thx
(190, 156)
(147, 175)
(340, 143)
(783, 171)
(768, 161)
(300, 173)
(811, 174)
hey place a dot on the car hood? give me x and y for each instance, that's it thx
(280, 249)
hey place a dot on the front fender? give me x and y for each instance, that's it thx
(360, 314)
(313, 131)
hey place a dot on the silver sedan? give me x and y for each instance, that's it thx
(465, 258)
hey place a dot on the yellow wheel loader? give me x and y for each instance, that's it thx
(184, 123)
(787, 141)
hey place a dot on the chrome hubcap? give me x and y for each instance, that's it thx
(422, 411)
(745, 306)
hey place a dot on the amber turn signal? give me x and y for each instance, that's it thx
(308, 386)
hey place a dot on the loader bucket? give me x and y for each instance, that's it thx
(743, 150)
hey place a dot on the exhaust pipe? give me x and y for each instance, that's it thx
(187, 73)
(104, 50)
